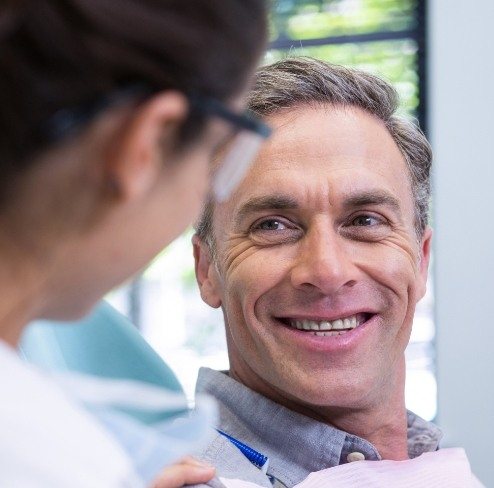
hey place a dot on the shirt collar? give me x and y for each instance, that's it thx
(295, 444)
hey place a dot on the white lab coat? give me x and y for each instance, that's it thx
(47, 440)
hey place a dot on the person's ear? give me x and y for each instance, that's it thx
(144, 144)
(206, 273)
(424, 259)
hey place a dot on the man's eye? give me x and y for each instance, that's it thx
(366, 221)
(271, 224)
(275, 231)
(366, 227)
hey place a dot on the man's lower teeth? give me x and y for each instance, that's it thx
(330, 333)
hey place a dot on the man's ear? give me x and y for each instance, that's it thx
(425, 256)
(144, 144)
(206, 273)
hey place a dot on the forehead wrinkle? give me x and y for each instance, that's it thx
(268, 202)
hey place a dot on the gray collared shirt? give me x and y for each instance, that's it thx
(296, 445)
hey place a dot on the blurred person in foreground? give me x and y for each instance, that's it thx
(317, 261)
(110, 113)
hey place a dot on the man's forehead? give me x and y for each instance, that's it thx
(324, 155)
(328, 128)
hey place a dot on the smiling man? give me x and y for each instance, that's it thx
(317, 262)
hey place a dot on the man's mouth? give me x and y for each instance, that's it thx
(328, 327)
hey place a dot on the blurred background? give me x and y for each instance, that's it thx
(436, 54)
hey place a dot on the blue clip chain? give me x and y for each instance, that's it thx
(256, 458)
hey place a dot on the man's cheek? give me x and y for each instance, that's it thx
(256, 273)
(401, 252)
(395, 270)
(239, 256)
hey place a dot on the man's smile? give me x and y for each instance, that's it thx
(327, 327)
(309, 335)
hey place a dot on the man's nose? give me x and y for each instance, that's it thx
(324, 263)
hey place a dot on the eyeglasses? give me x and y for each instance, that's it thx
(250, 132)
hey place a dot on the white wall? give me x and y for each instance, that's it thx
(461, 96)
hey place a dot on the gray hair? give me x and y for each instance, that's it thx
(298, 81)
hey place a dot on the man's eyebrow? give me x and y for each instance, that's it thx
(284, 202)
(269, 202)
(372, 197)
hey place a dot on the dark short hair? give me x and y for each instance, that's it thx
(304, 81)
(60, 54)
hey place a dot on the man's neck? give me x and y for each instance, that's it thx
(386, 429)
(382, 422)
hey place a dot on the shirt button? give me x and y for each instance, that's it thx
(355, 456)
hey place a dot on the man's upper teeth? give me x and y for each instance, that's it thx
(339, 324)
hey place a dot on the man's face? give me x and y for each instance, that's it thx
(318, 265)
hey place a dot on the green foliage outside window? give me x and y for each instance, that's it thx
(395, 61)
(314, 19)
(300, 21)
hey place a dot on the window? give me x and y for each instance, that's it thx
(386, 37)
